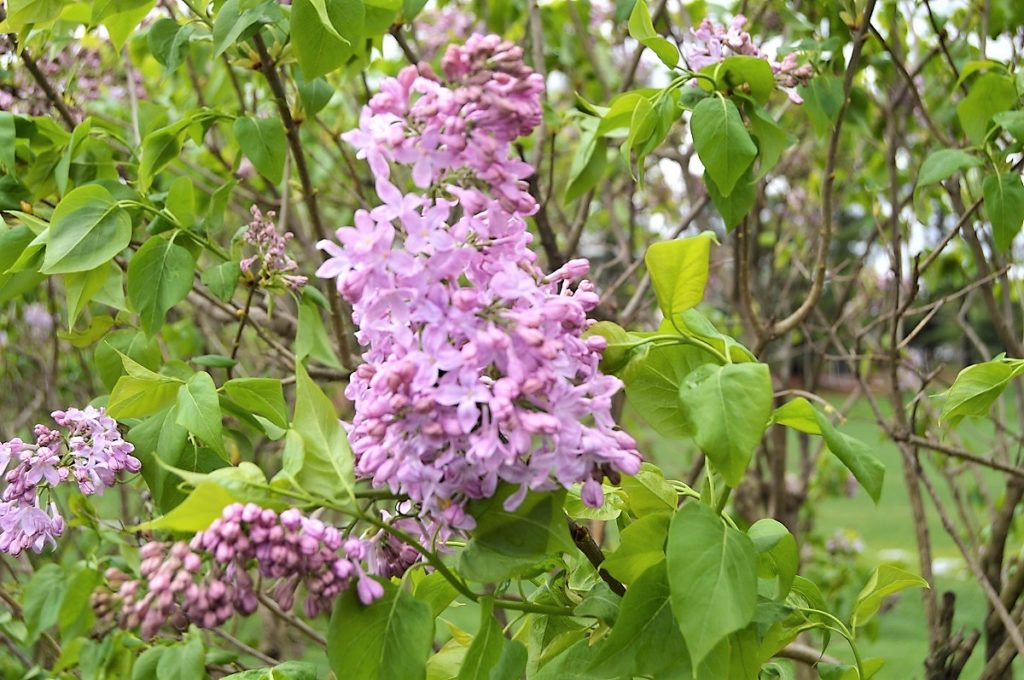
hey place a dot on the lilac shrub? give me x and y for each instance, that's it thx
(476, 369)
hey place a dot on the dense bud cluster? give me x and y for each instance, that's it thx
(215, 575)
(270, 264)
(712, 43)
(476, 369)
(95, 454)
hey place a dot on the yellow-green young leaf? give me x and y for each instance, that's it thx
(641, 546)
(797, 414)
(120, 17)
(722, 141)
(23, 12)
(181, 201)
(486, 648)
(159, 277)
(976, 388)
(679, 271)
(325, 33)
(641, 28)
(751, 73)
(648, 492)
(8, 133)
(196, 512)
(989, 94)
(729, 407)
(387, 640)
(712, 575)
(621, 345)
(199, 411)
(263, 141)
(886, 580)
(87, 229)
(1004, 205)
(857, 456)
(644, 640)
(134, 397)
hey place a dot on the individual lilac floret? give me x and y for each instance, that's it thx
(476, 368)
(270, 264)
(712, 43)
(92, 453)
(210, 578)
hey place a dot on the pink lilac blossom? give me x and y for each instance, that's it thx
(435, 28)
(95, 454)
(270, 264)
(215, 575)
(712, 43)
(476, 371)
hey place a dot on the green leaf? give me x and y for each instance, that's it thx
(311, 339)
(199, 411)
(159, 277)
(76, 615)
(943, 164)
(181, 201)
(23, 12)
(80, 288)
(600, 603)
(722, 142)
(505, 541)
(1012, 122)
(195, 513)
(232, 21)
(712, 576)
(325, 33)
(183, 662)
(97, 328)
(387, 640)
(87, 229)
(823, 97)
(263, 396)
(263, 141)
(729, 407)
(652, 387)
(42, 599)
(487, 646)
(679, 271)
(885, 581)
(1004, 204)
(855, 455)
(589, 163)
(159, 148)
(989, 94)
(778, 556)
(641, 546)
(289, 670)
(644, 640)
(641, 28)
(742, 73)
(771, 139)
(976, 388)
(435, 589)
(129, 342)
(222, 279)
(621, 346)
(734, 207)
(8, 135)
(648, 491)
(327, 463)
(799, 415)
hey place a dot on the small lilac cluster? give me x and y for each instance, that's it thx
(38, 320)
(435, 27)
(476, 369)
(212, 577)
(713, 43)
(96, 453)
(270, 264)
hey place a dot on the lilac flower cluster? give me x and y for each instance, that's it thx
(476, 369)
(712, 43)
(39, 321)
(207, 580)
(270, 264)
(436, 27)
(96, 453)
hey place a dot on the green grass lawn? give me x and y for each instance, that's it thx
(887, 533)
